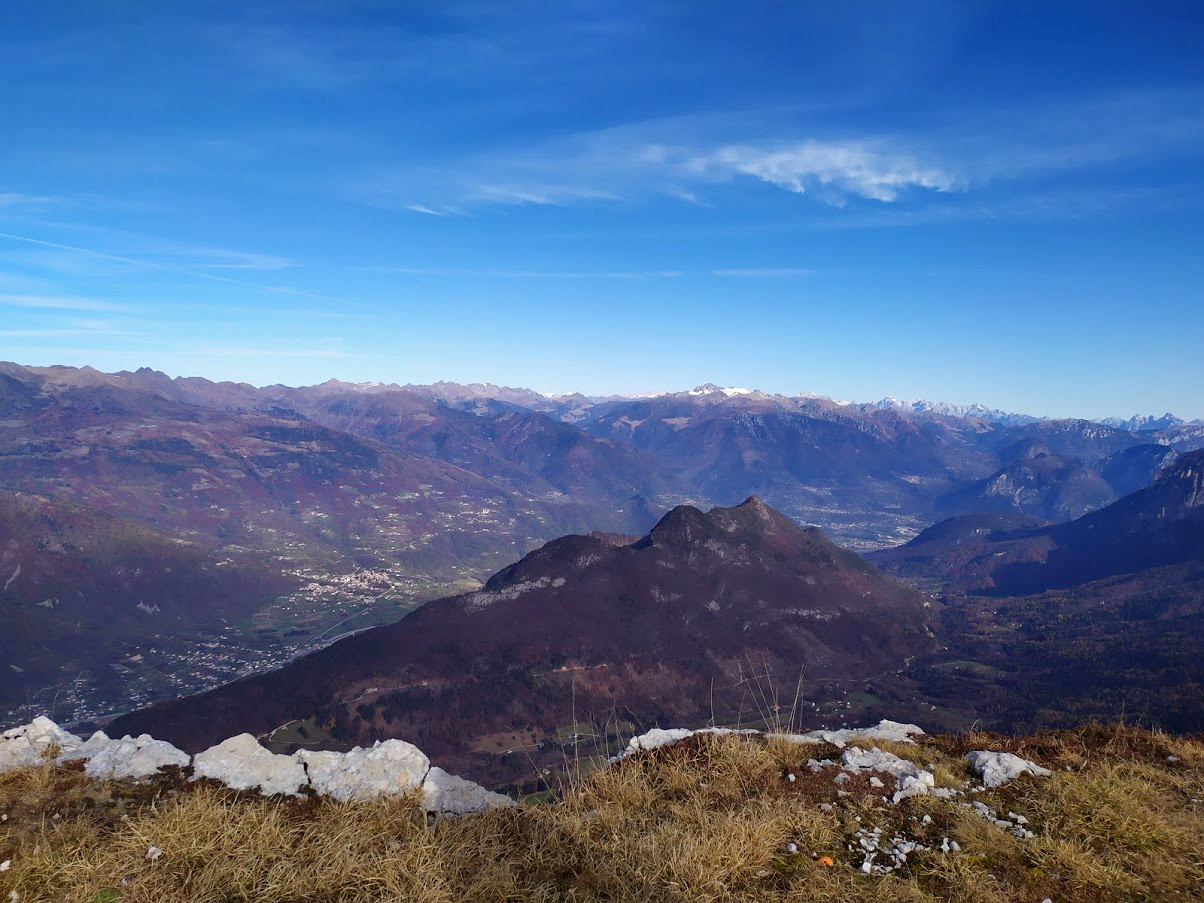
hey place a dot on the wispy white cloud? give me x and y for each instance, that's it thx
(21, 283)
(682, 194)
(707, 160)
(237, 260)
(254, 351)
(193, 271)
(832, 171)
(53, 333)
(864, 168)
(136, 248)
(273, 311)
(422, 208)
(1076, 134)
(548, 194)
(57, 302)
(765, 272)
(54, 264)
(686, 158)
(531, 274)
(15, 199)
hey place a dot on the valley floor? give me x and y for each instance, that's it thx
(713, 818)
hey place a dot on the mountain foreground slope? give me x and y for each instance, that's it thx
(1089, 619)
(587, 632)
(1115, 818)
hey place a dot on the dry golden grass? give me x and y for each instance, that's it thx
(707, 820)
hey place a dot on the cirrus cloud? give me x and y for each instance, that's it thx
(630, 165)
(851, 167)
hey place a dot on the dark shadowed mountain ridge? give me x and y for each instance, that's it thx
(1162, 524)
(1049, 625)
(582, 628)
(1039, 482)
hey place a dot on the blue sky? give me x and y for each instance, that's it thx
(971, 201)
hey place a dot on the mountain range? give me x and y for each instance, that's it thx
(1161, 524)
(1137, 423)
(1045, 624)
(713, 617)
(353, 503)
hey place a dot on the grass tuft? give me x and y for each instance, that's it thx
(709, 819)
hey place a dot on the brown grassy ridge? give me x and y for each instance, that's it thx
(708, 820)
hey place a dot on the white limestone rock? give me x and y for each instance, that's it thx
(658, 737)
(242, 764)
(728, 731)
(911, 778)
(447, 794)
(90, 748)
(884, 730)
(390, 768)
(130, 757)
(895, 731)
(999, 768)
(25, 746)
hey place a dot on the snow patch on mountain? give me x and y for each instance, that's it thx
(1141, 423)
(947, 409)
(977, 411)
(712, 389)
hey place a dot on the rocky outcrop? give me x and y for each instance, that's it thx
(386, 769)
(996, 768)
(391, 768)
(893, 731)
(999, 768)
(447, 794)
(241, 763)
(912, 779)
(129, 757)
(28, 744)
(658, 737)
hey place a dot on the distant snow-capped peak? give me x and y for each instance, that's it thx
(712, 389)
(947, 409)
(1140, 423)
